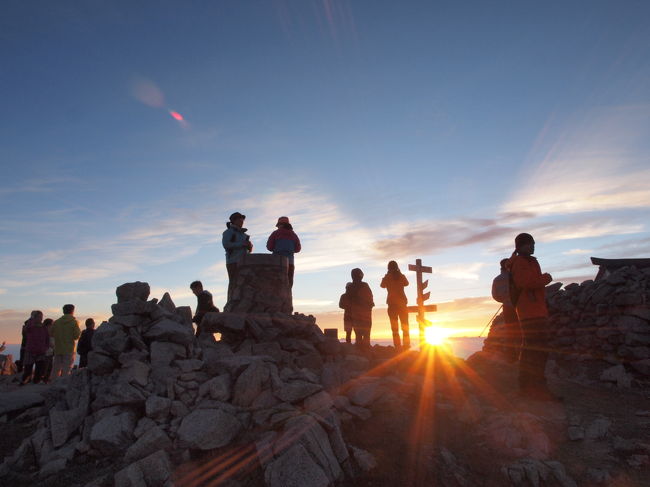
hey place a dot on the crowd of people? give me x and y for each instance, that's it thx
(48, 346)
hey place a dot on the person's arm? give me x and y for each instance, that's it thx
(77, 331)
(526, 275)
(383, 282)
(298, 246)
(368, 296)
(270, 243)
(405, 281)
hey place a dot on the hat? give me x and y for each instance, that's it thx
(236, 215)
(523, 238)
(283, 220)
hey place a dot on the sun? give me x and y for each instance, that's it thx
(435, 335)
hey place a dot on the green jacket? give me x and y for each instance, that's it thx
(65, 331)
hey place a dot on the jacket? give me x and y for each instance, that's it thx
(85, 343)
(204, 305)
(235, 242)
(37, 338)
(358, 303)
(529, 281)
(65, 331)
(395, 282)
(284, 241)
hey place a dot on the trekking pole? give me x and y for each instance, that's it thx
(491, 320)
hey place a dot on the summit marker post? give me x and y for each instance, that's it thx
(421, 308)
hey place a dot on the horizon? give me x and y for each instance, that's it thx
(383, 131)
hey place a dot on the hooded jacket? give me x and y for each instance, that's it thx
(285, 242)
(65, 331)
(394, 283)
(529, 281)
(235, 241)
(37, 338)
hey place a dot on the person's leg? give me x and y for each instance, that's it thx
(232, 275)
(39, 369)
(83, 360)
(394, 327)
(292, 269)
(404, 319)
(68, 362)
(534, 352)
(28, 366)
(48, 368)
(56, 367)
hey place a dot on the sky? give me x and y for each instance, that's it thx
(384, 130)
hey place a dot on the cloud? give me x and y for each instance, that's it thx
(600, 163)
(312, 303)
(40, 185)
(577, 252)
(460, 271)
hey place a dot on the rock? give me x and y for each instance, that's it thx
(128, 321)
(170, 331)
(364, 392)
(250, 384)
(576, 433)
(642, 366)
(189, 365)
(598, 475)
(154, 470)
(158, 408)
(319, 402)
(127, 358)
(132, 290)
(217, 388)
(100, 364)
(295, 468)
(598, 428)
(111, 435)
(517, 435)
(144, 424)
(152, 440)
(110, 339)
(205, 429)
(64, 423)
(55, 466)
(133, 307)
(117, 393)
(617, 375)
(364, 459)
(162, 353)
(183, 315)
(297, 390)
(136, 372)
(167, 303)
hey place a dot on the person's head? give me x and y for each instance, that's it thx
(48, 322)
(525, 244)
(392, 266)
(504, 264)
(237, 219)
(196, 287)
(37, 316)
(357, 274)
(68, 309)
(90, 324)
(283, 221)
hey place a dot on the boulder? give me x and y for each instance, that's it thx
(64, 423)
(167, 303)
(112, 434)
(218, 388)
(295, 468)
(110, 339)
(154, 470)
(170, 331)
(133, 290)
(205, 429)
(152, 440)
(163, 353)
(642, 366)
(100, 364)
(250, 384)
(117, 393)
(297, 390)
(158, 408)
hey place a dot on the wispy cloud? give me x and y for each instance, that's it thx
(461, 271)
(39, 185)
(577, 252)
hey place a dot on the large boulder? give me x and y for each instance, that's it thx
(170, 331)
(133, 290)
(295, 468)
(112, 434)
(205, 429)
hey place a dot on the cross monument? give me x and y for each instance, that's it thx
(421, 308)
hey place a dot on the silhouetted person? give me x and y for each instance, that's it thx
(237, 244)
(65, 331)
(85, 343)
(510, 331)
(395, 282)
(347, 316)
(204, 304)
(285, 242)
(23, 343)
(359, 304)
(37, 341)
(49, 355)
(530, 303)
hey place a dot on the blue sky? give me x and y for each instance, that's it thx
(384, 130)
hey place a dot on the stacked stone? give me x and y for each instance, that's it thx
(154, 396)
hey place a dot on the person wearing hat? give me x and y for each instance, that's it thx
(237, 244)
(530, 302)
(285, 242)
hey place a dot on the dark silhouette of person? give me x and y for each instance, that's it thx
(510, 330)
(395, 282)
(85, 343)
(530, 303)
(65, 331)
(204, 304)
(237, 244)
(358, 304)
(37, 341)
(49, 355)
(285, 242)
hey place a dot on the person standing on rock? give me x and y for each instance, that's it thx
(237, 244)
(65, 331)
(36, 345)
(85, 343)
(529, 299)
(395, 282)
(204, 304)
(358, 306)
(509, 331)
(285, 242)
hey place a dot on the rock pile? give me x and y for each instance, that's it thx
(154, 396)
(607, 320)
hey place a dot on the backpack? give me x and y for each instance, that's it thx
(504, 289)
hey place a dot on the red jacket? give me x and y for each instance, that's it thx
(37, 338)
(284, 241)
(530, 282)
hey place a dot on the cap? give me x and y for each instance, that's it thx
(236, 215)
(283, 220)
(523, 238)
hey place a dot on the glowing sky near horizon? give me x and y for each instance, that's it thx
(384, 130)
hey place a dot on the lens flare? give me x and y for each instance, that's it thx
(434, 335)
(176, 115)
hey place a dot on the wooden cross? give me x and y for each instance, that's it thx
(421, 308)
